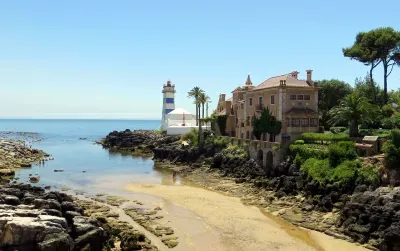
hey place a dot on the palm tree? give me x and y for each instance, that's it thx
(195, 93)
(203, 99)
(355, 109)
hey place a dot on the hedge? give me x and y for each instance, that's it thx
(311, 137)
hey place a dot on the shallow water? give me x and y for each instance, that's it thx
(84, 163)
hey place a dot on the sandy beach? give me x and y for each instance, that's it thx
(238, 227)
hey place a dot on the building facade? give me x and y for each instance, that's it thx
(291, 100)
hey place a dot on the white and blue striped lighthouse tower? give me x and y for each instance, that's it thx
(168, 103)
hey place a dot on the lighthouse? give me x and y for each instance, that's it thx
(168, 103)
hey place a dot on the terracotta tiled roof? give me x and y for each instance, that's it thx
(301, 110)
(275, 81)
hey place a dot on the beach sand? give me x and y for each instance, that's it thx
(227, 224)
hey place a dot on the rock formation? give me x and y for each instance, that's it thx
(31, 219)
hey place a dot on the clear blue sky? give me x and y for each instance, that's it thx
(109, 59)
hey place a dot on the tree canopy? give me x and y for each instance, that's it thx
(329, 95)
(354, 109)
(381, 45)
(266, 123)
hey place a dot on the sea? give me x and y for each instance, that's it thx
(85, 164)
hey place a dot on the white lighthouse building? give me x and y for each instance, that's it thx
(175, 121)
(168, 103)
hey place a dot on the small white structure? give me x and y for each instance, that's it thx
(175, 121)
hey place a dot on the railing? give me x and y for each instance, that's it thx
(259, 107)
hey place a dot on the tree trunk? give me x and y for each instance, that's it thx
(201, 136)
(202, 109)
(353, 130)
(197, 115)
(372, 83)
(385, 68)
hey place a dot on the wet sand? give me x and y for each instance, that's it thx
(232, 225)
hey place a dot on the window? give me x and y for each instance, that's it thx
(313, 122)
(241, 106)
(295, 122)
(260, 100)
(169, 100)
(285, 137)
(300, 97)
(287, 122)
(248, 121)
(307, 97)
(304, 122)
(272, 99)
(292, 97)
(250, 101)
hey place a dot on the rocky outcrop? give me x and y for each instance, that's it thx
(141, 141)
(373, 218)
(14, 154)
(31, 219)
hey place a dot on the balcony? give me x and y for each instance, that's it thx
(259, 107)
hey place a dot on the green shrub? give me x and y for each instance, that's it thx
(391, 148)
(311, 137)
(345, 173)
(318, 170)
(383, 133)
(235, 151)
(344, 150)
(299, 142)
(192, 137)
(368, 176)
(218, 141)
(306, 152)
(338, 129)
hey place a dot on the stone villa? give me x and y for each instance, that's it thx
(291, 100)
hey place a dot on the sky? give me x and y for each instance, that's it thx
(110, 59)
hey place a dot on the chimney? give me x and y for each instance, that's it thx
(295, 74)
(309, 77)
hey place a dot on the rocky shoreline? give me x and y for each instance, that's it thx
(36, 220)
(32, 219)
(14, 155)
(361, 214)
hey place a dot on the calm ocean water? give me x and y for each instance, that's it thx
(84, 163)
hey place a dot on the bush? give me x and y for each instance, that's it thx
(368, 176)
(392, 149)
(318, 170)
(338, 129)
(383, 133)
(344, 150)
(306, 152)
(192, 137)
(235, 151)
(310, 137)
(345, 173)
(218, 141)
(299, 142)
